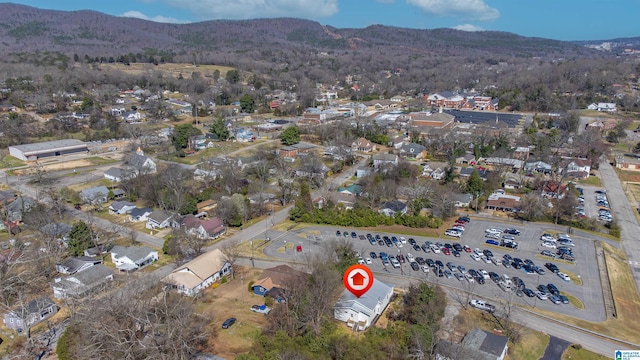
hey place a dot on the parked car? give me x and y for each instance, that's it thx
(548, 253)
(493, 242)
(229, 323)
(552, 267)
(512, 231)
(563, 276)
(414, 266)
(541, 295)
(475, 256)
(529, 292)
(547, 237)
(482, 305)
(549, 244)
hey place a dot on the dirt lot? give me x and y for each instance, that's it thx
(233, 299)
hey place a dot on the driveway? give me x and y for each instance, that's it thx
(554, 349)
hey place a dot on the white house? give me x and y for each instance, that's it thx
(83, 282)
(605, 107)
(360, 312)
(139, 214)
(121, 207)
(140, 164)
(159, 219)
(576, 168)
(391, 208)
(199, 273)
(95, 195)
(380, 160)
(132, 257)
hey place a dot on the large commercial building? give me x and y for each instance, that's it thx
(46, 149)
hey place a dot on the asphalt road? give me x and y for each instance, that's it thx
(624, 214)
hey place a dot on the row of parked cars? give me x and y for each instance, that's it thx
(502, 237)
(562, 243)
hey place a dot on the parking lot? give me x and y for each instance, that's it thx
(591, 206)
(584, 268)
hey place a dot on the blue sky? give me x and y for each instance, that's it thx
(553, 19)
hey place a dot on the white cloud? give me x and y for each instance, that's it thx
(159, 18)
(468, 27)
(250, 9)
(467, 9)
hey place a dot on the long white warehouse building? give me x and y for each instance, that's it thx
(35, 151)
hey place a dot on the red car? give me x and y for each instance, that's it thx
(467, 248)
(446, 251)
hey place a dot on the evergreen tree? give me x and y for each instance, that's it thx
(474, 184)
(290, 136)
(80, 238)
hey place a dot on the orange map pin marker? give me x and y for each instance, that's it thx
(358, 279)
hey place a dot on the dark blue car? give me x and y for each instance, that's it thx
(493, 242)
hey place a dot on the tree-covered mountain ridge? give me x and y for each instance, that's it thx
(28, 29)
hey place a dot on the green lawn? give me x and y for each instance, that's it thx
(10, 162)
(592, 180)
(578, 353)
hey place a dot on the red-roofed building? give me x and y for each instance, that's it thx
(205, 229)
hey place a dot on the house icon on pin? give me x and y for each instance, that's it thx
(357, 279)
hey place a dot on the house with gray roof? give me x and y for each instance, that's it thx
(95, 195)
(393, 207)
(27, 315)
(413, 150)
(74, 265)
(132, 257)
(159, 219)
(477, 344)
(19, 207)
(361, 312)
(139, 214)
(117, 174)
(380, 160)
(141, 165)
(82, 283)
(120, 207)
(56, 230)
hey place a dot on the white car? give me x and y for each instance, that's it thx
(563, 276)
(477, 251)
(549, 244)
(484, 274)
(486, 259)
(494, 231)
(547, 237)
(453, 233)
(403, 240)
(367, 261)
(435, 249)
(469, 278)
(425, 268)
(475, 256)
(410, 258)
(541, 295)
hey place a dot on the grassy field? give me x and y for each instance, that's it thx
(591, 180)
(577, 353)
(530, 347)
(173, 70)
(10, 162)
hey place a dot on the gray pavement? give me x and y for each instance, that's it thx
(555, 348)
(625, 216)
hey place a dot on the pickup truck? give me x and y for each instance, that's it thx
(479, 304)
